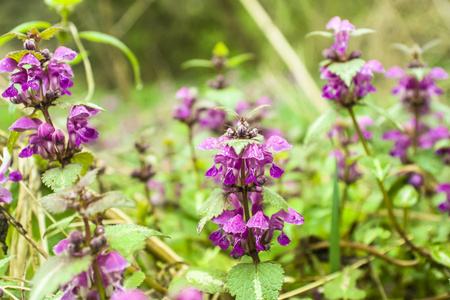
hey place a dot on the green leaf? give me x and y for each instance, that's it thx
(17, 55)
(57, 271)
(384, 113)
(58, 178)
(220, 50)
(256, 282)
(128, 238)
(274, 199)
(204, 279)
(372, 233)
(239, 59)
(5, 260)
(88, 179)
(321, 124)
(99, 37)
(441, 255)
(427, 160)
(430, 44)
(49, 33)
(239, 144)
(69, 103)
(105, 201)
(407, 196)
(380, 166)
(65, 2)
(197, 63)
(344, 286)
(85, 159)
(61, 224)
(24, 27)
(20, 36)
(255, 110)
(419, 73)
(403, 48)
(12, 139)
(335, 248)
(216, 203)
(135, 280)
(320, 33)
(442, 144)
(361, 31)
(347, 70)
(229, 111)
(57, 202)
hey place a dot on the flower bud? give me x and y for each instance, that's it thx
(241, 130)
(16, 100)
(87, 196)
(261, 180)
(45, 131)
(50, 94)
(76, 238)
(355, 54)
(230, 132)
(98, 242)
(330, 54)
(47, 55)
(29, 45)
(86, 251)
(71, 248)
(253, 132)
(58, 137)
(2, 292)
(99, 230)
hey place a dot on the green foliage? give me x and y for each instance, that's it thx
(65, 2)
(419, 73)
(17, 55)
(428, 161)
(370, 234)
(5, 260)
(384, 113)
(229, 111)
(380, 166)
(12, 139)
(220, 50)
(56, 271)
(361, 31)
(128, 238)
(320, 33)
(58, 178)
(105, 201)
(239, 144)
(274, 199)
(344, 286)
(85, 159)
(20, 36)
(69, 103)
(22, 28)
(135, 280)
(256, 282)
(204, 279)
(61, 224)
(407, 196)
(216, 203)
(104, 38)
(440, 255)
(255, 110)
(197, 63)
(347, 70)
(49, 33)
(238, 59)
(321, 124)
(57, 202)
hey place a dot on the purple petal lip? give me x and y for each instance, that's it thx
(395, 72)
(276, 143)
(209, 144)
(235, 225)
(25, 123)
(64, 53)
(438, 73)
(29, 59)
(258, 221)
(7, 65)
(112, 262)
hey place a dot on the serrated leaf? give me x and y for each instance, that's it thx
(325, 62)
(55, 272)
(49, 33)
(105, 201)
(197, 63)
(347, 70)
(220, 50)
(85, 159)
(255, 110)
(88, 179)
(239, 144)
(21, 36)
(407, 196)
(427, 160)
(256, 282)
(320, 33)
(57, 202)
(24, 27)
(274, 199)
(104, 38)
(204, 279)
(12, 139)
(216, 203)
(69, 103)
(229, 111)
(239, 59)
(344, 286)
(361, 31)
(61, 224)
(321, 124)
(135, 280)
(128, 238)
(441, 255)
(17, 55)
(384, 113)
(58, 178)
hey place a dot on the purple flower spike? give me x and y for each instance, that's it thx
(5, 195)
(258, 221)
(276, 143)
(78, 125)
(283, 239)
(342, 30)
(235, 225)
(276, 171)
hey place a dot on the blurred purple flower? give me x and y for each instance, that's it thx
(213, 119)
(444, 188)
(5, 194)
(183, 111)
(190, 293)
(348, 173)
(342, 29)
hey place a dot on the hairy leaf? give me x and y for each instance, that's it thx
(24, 27)
(56, 271)
(344, 286)
(346, 70)
(17, 55)
(110, 40)
(216, 203)
(254, 111)
(321, 124)
(135, 280)
(57, 202)
(361, 31)
(197, 63)
(407, 196)
(320, 33)
(204, 279)
(21, 36)
(59, 177)
(229, 111)
(274, 199)
(88, 178)
(49, 33)
(85, 159)
(128, 238)
(61, 224)
(239, 59)
(256, 282)
(5, 260)
(440, 255)
(105, 201)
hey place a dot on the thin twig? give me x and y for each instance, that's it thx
(22, 231)
(9, 294)
(8, 278)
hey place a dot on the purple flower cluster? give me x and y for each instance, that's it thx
(183, 111)
(235, 231)
(49, 142)
(5, 194)
(337, 89)
(242, 175)
(416, 93)
(48, 78)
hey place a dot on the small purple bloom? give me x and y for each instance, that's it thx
(342, 29)
(183, 111)
(213, 119)
(78, 125)
(444, 188)
(5, 195)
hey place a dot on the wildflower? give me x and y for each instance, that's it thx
(183, 111)
(5, 194)
(342, 29)
(444, 188)
(346, 173)
(78, 125)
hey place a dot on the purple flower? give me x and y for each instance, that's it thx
(78, 125)
(129, 295)
(5, 195)
(348, 173)
(444, 188)
(190, 293)
(183, 111)
(416, 93)
(213, 119)
(342, 29)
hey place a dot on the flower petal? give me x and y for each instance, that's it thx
(112, 262)
(25, 123)
(276, 143)
(438, 73)
(258, 221)
(209, 144)
(64, 53)
(8, 65)
(29, 59)
(235, 225)
(395, 72)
